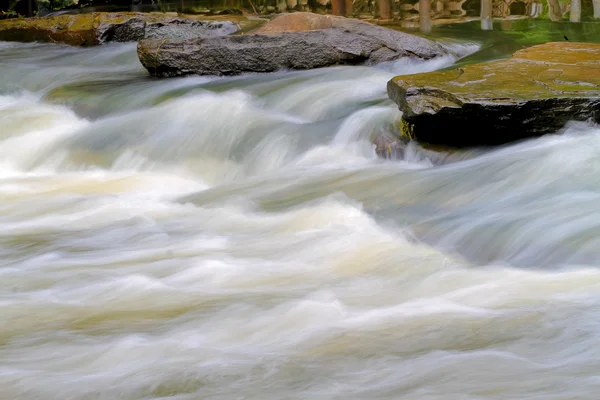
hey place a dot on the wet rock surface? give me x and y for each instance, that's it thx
(291, 41)
(535, 92)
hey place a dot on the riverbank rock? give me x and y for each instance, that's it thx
(96, 28)
(533, 93)
(290, 41)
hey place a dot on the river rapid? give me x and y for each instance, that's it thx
(239, 238)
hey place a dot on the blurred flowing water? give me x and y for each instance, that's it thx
(208, 238)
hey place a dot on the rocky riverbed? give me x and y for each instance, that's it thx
(535, 92)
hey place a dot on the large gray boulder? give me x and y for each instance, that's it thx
(291, 41)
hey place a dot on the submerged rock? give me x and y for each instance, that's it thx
(291, 41)
(533, 93)
(96, 28)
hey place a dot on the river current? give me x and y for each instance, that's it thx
(239, 238)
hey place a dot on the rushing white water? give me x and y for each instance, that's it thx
(204, 238)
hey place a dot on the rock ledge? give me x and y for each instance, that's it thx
(533, 93)
(96, 28)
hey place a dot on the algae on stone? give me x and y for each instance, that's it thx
(533, 93)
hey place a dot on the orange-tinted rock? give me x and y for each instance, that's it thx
(297, 22)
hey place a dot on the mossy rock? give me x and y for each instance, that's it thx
(533, 93)
(87, 29)
(76, 29)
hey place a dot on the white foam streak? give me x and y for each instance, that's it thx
(324, 97)
(29, 128)
(407, 66)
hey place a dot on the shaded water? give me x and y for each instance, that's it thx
(204, 238)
